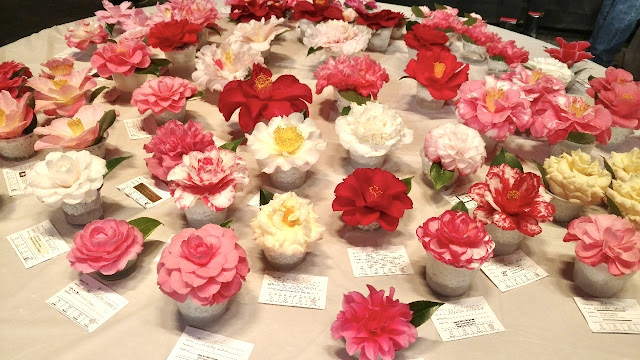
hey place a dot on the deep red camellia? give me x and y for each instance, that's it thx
(425, 37)
(318, 11)
(372, 195)
(13, 76)
(258, 10)
(261, 98)
(512, 200)
(380, 19)
(173, 34)
(439, 71)
(570, 52)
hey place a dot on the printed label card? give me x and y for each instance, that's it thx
(512, 271)
(196, 344)
(140, 128)
(38, 243)
(296, 290)
(619, 316)
(391, 260)
(458, 196)
(461, 319)
(144, 191)
(16, 178)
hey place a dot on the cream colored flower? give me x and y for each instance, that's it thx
(626, 194)
(553, 67)
(625, 165)
(286, 142)
(258, 34)
(372, 129)
(286, 225)
(338, 37)
(577, 178)
(216, 66)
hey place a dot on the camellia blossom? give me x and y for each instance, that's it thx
(625, 165)
(626, 195)
(456, 239)
(553, 67)
(606, 239)
(496, 108)
(105, 246)
(114, 14)
(512, 200)
(173, 34)
(211, 176)
(85, 32)
(358, 73)
(439, 71)
(63, 95)
(380, 19)
(199, 12)
(136, 19)
(372, 195)
(258, 33)
(123, 58)
(57, 67)
(15, 115)
(338, 37)
(206, 265)
(611, 76)
(166, 93)
(173, 140)
(479, 34)
(361, 5)
(138, 34)
(75, 133)
(456, 147)
(13, 77)
(216, 66)
(534, 84)
(261, 98)
(444, 20)
(508, 52)
(247, 10)
(317, 11)
(425, 37)
(622, 100)
(376, 325)
(570, 52)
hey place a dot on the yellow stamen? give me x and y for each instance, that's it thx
(59, 83)
(513, 195)
(537, 74)
(121, 50)
(627, 96)
(76, 126)
(228, 57)
(167, 13)
(3, 117)
(61, 70)
(621, 81)
(288, 211)
(320, 2)
(578, 106)
(438, 69)
(288, 139)
(491, 97)
(262, 82)
(375, 191)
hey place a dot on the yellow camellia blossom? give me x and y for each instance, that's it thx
(577, 178)
(626, 195)
(625, 165)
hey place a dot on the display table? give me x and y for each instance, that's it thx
(541, 319)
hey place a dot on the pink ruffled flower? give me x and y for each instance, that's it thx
(123, 58)
(534, 84)
(15, 115)
(199, 12)
(105, 246)
(63, 95)
(207, 265)
(135, 35)
(623, 102)
(77, 133)
(606, 239)
(493, 107)
(361, 5)
(558, 115)
(611, 75)
(456, 239)
(85, 32)
(456, 147)
(211, 176)
(57, 67)
(137, 19)
(376, 325)
(480, 35)
(165, 93)
(444, 20)
(359, 73)
(508, 52)
(114, 14)
(173, 140)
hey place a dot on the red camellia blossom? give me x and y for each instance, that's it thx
(261, 98)
(372, 195)
(13, 76)
(439, 71)
(318, 11)
(512, 200)
(425, 37)
(258, 10)
(381, 19)
(173, 34)
(570, 52)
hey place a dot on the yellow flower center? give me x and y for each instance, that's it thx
(320, 2)
(121, 50)
(621, 81)
(491, 97)
(228, 57)
(375, 191)
(288, 139)
(627, 96)
(262, 82)
(59, 83)
(61, 69)
(3, 117)
(167, 13)
(537, 74)
(76, 126)
(438, 69)
(578, 106)
(513, 195)
(288, 211)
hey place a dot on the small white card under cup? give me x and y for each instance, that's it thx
(391, 260)
(196, 344)
(295, 290)
(140, 128)
(87, 302)
(466, 199)
(465, 318)
(512, 271)
(38, 243)
(144, 191)
(620, 316)
(16, 178)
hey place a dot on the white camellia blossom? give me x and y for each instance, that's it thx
(286, 142)
(456, 147)
(338, 37)
(286, 225)
(372, 129)
(553, 67)
(217, 66)
(258, 34)
(70, 177)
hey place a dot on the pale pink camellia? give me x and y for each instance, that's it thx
(114, 14)
(136, 19)
(358, 73)
(457, 147)
(123, 58)
(85, 32)
(15, 115)
(199, 12)
(57, 67)
(105, 246)
(534, 84)
(611, 75)
(376, 325)
(63, 95)
(454, 238)
(606, 239)
(361, 5)
(75, 133)
(207, 265)
(558, 115)
(173, 140)
(135, 35)
(166, 93)
(623, 102)
(496, 108)
(444, 20)
(211, 176)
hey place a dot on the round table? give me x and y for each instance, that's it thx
(541, 319)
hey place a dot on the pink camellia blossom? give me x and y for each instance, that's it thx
(85, 32)
(199, 12)
(534, 84)
(105, 246)
(63, 95)
(15, 115)
(211, 176)
(508, 52)
(456, 147)
(123, 58)
(623, 102)
(207, 265)
(557, 115)
(456, 239)
(444, 20)
(496, 108)
(57, 67)
(113, 14)
(135, 35)
(606, 239)
(358, 73)
(376, 325)
(480, 35)
(137, 19)
(361, 5)
(611, 75)
(173, 140)
(165, 93)
(75, 133)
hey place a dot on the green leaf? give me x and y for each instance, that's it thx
(410, 24)
(265, 196)
(505, 157)
(353, 96)
(104, 124)
(198, 95)
(591, 77)
(613, 208)
(312, 50)
(439, 7)
(577, 72)
(149, 70)
(32, 102)
(543, 174)
(109, 28)
(460, 206)
(232, 145)
(96, 92)
(407, 181)
(112, 163)
(146, 225)
(470, 21)
(34, 123)
(18, 73)
(417, 12)
(305, 113)
(227, 224)
(497, 58)
(160, 62)
(112, 41)
(581, 138)
(422, 311)
(215, 30)
(281, 34)
(609, 168)
(405, 77)
(439, 176)
(467, 39)
(345, 110)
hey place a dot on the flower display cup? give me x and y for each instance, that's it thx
(18, 148)
(448, 280)
(597, 281)
(287, 180)
(473, 53)
(167, 115)
(566, 210)
(507, 241)
(194, 314)
(380, 39)
(127, 84)
(619, 135)
(426, 170)
(200, 214)
(496, 66)
(83, 212)
(16, 116)
(567, 147)
(425, 100)
(183, 61)
(203, 38)
(359, 161)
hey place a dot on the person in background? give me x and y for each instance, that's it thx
(616, 21)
